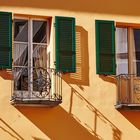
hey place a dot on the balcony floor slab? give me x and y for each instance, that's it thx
(130, 106)
(36, 102)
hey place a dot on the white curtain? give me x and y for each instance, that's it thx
(20, 59)
(121, 51)
(40, 64)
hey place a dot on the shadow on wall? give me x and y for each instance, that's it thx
(97, 115)
(6, 74)
(132, 116)
(110, 7)
(4, 127)
(58, 124)
(81, 77)
(35, 138)
(110, 79)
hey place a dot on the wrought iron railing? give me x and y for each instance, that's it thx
(36, 84)
(128, 86)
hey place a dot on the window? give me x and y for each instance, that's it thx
(30, 57)
(127, 48)
(34, 82)
(118, 53)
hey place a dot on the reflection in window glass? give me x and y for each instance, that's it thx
(39, 32)
(21, 30)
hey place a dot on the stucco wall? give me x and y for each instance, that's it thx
(87, 111)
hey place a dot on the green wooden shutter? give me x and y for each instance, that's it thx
(105, 47)
(5, 40)
(65, 44)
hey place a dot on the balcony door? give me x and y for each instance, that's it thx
(128, 63)
(30, 56)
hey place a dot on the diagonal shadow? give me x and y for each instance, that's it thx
(14, 134)
(56, 123)
(116, 133)
(37, 138)
(132, 116)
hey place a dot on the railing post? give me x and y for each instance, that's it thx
(53, 83)
(118, 90)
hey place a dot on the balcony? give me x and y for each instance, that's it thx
(128, 94)
(42, 88)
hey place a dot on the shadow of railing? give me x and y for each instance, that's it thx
(9, 130)
(116, 133)
(36, 138)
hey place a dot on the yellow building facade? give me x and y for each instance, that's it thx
(88, 110)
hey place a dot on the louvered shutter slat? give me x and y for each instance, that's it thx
(65, 44)
(105, 47)
(5, 40)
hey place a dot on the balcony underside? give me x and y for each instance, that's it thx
(36, 102)
(127, 106)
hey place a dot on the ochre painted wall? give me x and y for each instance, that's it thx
(87, 111)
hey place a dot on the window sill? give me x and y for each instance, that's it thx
(36, 102)
(127, 106)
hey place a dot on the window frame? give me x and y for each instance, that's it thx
(30, 44)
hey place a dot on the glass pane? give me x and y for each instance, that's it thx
(20, 79)
(39, 56)
(39, 32)
(137, 51)
(40, 67)
(20, 54)
(121, 51)
(21, 30)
